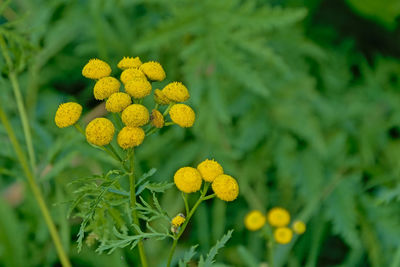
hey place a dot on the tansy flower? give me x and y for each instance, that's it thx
(188, 179)
(183, 115)
(135, 115)
(105, 87)
(209, 170)
(117, 102)
(225, 187)
(129, 62)
(278, 217)
(299, 227)
(100, 132)
(254, 220)
(283, 235)
(153, 70)
(96, 69)
(160, 98)
(176, 92)
(138, 88)
(131, 74)
(178, 220)
(130, 137)
(67, 114)
(156, 119)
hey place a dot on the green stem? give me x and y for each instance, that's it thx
(267, 231)
(133, 204)
(35, 190)
(201, 199)
(185, 196)
(167, 110)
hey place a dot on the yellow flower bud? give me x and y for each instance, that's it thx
(160, 98)
(105, 87)
(188, 180)
(178, 220)
(100, 132)
(176, 92)
(156, 119)
(283, 235)
(153, 70)
(138, 88)
(278, 217)
(117, 102)
(299, 227)
(130, 137)
(183, 115)
(135, 115)
(96, 69)
(131, 74)
(209, 170)
(129, 62)
(68, 114)
(254, 220)
(225, 187)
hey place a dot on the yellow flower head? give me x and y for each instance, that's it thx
(183, 115)
(278, 217)
(135, 115)
(209, 170)
(130, 137)
(129, 62)
(138, 88)
(105, 87)
(160, 98)
(156, 119)
(131, 74)
(176, 92)
(96, 69)
(188, 179)
(178, 220)
(117, 102)
(153, 70)
(225, 187)
(299, 227)
(100, 132)
(283, 235)
(68, 114)
(254, 220)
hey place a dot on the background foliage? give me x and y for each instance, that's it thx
(300, 100)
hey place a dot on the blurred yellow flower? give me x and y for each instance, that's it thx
(225, 187)
(283, 235)
(67, 114)
(132, 74)
(209, 170)
(153, 70)
(130, 137)
(278, 217)
(160, 98)
(129, 62)
(96, 69)
(135, 115)
(100, 132)
(178, 220)
(299, 227)
(188, 179)
(254, 220)
(138, 88)
(156, 119)
(105, 87)
(117, 102)
(183, 115)
(176, 92)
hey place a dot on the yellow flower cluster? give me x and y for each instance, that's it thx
(68, 114)
(189, 180)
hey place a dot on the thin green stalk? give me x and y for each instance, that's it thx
(167, 110)
(35, 190)
(133, 204)
(185, 196)
(266, 230)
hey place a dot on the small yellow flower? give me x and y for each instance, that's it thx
(153, 70)
(117, 102)
(129, 62)
(132, 74)
(130, 137)
(68, 114)
(209, 170)
(156, 119)
(138, 88)
(100, 132)
(183, 115)
(188, 179)
(160, 98)
(178, 220)
(299, 227)
(105, 87)
(278, 217)
(176, 92)
(283, 235)
(225, 187)
(96, 69)
(254, 220)
(135, 115)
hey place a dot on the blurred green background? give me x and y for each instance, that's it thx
(299, 100)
